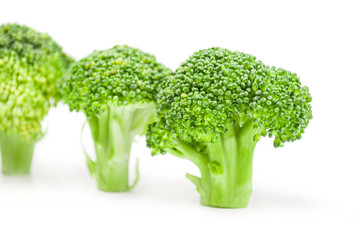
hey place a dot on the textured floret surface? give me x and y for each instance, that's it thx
(118, 76)
(30, 65)
(215, 88)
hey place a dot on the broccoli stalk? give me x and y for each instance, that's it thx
(113, 134)
(227, 179)
(225, 167)
(116, 90)
(16, 154)
(30, 64)
(215, 108)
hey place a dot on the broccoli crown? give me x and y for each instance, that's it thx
(216, 87)
(118, 76)
(30, 64)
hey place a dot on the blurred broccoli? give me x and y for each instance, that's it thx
(30, 64)
(116, 89)
(214, 109)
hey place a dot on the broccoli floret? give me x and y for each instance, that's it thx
(30, 64)
(215, 108)
(116, 89)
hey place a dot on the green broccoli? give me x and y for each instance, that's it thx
(30, 64)
(215, 108)
(116, 89)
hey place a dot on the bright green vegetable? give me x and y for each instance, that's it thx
(30, 64)
(215, 108)
(116, 89)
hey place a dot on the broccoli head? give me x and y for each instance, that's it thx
(30, 64)
(116, 89)
(214, 109)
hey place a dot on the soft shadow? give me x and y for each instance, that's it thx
(172, 190)
(274, 199)
(15, 178)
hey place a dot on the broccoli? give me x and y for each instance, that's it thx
(116, 90)
(214, 109)
(30, 64)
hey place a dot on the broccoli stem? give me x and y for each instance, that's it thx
(113, 134)
(229, 183)
(227, 180)
(16, 154)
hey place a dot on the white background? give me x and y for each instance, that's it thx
(310, 189)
